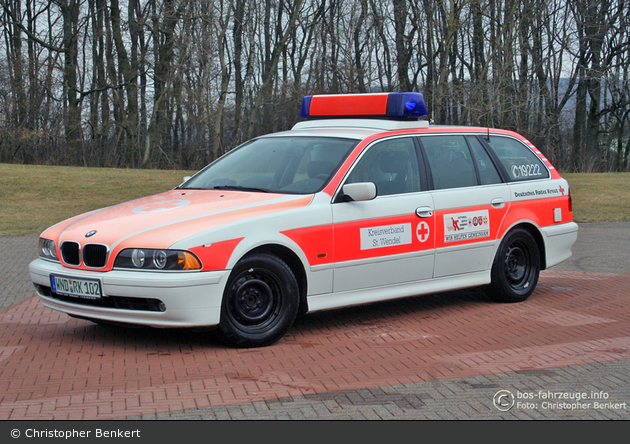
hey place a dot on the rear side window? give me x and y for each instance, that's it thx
(488, 174)
(451, 161)
(519, 161)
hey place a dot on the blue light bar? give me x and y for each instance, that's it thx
(404, 105)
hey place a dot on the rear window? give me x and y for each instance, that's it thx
(519, 161)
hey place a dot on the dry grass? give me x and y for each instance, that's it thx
(33, 198)
(36, 197)
(600, 197)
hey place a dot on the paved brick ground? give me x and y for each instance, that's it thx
(430, 357)
(15, 254)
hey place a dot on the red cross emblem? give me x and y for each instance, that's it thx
(422, 231)
(561, 189)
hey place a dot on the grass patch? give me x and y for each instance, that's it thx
(33, 197)
(600, 197)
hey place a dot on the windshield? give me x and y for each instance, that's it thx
(293, 165)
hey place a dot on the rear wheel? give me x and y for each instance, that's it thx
(516, 267)
(260, 301)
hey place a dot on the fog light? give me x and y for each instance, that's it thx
(162, 306)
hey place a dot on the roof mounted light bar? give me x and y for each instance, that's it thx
(399, 106)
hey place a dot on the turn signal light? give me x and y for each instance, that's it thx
(188, 261)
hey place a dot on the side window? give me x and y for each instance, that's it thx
(519, 161)
(392, 165)
(450, 161)
(487, 172)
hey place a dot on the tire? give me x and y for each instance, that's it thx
(516, 267)
(260, 301)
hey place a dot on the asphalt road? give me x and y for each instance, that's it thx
(602, 248)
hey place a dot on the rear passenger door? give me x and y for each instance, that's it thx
(470, 200)
(387, 240)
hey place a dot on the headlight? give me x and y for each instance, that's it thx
(151, 259)
(160, 259)
(48, 249)
(137, 258)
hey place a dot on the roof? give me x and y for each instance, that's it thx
(372, 124)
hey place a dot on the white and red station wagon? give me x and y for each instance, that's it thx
(362, 201)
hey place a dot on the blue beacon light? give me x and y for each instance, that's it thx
(406, 104)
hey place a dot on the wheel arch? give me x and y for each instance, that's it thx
(538, 237)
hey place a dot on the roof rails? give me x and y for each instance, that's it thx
(358, 123)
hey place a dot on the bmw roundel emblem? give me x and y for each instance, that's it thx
(91, 233)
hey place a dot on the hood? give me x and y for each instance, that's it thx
(160, 220)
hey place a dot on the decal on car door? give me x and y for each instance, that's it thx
(466, 226)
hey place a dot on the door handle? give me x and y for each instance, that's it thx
(424, 211)
(498, 202)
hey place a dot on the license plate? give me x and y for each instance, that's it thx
(82, 288)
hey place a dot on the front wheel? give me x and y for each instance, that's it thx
(516, 267)
(260, 301)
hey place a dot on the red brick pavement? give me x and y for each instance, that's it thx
(56, 367)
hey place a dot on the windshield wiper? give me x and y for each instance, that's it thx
(239, 188)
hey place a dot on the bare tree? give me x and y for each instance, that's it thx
(171, 83)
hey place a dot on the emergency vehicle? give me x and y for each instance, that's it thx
(361, 201)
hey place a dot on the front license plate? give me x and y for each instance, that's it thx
(82, 288)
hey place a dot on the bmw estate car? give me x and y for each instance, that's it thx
(361, 201)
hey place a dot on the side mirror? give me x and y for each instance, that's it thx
(359, 191)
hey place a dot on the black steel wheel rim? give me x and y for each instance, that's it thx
(518, 265)
(255, 299)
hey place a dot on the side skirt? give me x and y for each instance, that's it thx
(375, 294)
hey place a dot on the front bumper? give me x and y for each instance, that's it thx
(189, 299)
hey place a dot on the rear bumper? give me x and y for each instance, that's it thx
(559, 240)
(188, 299)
